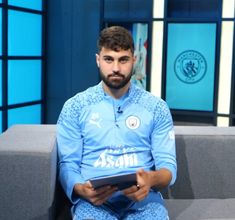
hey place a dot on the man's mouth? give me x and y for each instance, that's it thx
(116, 76)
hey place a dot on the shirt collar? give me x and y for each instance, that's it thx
(126, 95)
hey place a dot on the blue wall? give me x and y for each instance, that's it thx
(73, 28)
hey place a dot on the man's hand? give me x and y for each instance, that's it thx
(145, 180)
(141, 190)
(95, 196)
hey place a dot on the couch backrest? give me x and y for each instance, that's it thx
(206, 163)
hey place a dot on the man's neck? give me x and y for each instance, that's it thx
(116, 93)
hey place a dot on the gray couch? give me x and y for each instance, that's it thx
(205, 188)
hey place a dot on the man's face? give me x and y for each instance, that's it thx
(115, 67)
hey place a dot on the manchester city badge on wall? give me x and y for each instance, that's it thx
(190, 66)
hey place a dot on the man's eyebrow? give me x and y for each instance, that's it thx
(107, 56)
(120, 58)
(124, 57)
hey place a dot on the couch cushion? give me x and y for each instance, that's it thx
(201, 209)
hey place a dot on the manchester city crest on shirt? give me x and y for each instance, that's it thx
(132, 122)
(190, 66)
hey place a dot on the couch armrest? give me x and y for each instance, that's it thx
(28, 172)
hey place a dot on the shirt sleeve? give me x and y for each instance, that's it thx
(70, 146)
(163, 140)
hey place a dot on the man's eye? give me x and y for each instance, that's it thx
(108, 59)
(124, 60)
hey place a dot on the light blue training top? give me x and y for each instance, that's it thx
(98, 135)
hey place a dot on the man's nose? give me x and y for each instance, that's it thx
(116, 67)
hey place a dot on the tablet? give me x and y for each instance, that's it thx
(121, 181)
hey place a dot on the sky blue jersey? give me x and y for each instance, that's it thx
(98, 135)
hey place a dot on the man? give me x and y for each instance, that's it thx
(116, 128)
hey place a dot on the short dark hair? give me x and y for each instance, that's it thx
(115, 38)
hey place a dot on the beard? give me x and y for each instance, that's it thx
(116, 83)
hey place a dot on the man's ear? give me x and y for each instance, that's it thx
(135, 58)
(97, 60)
